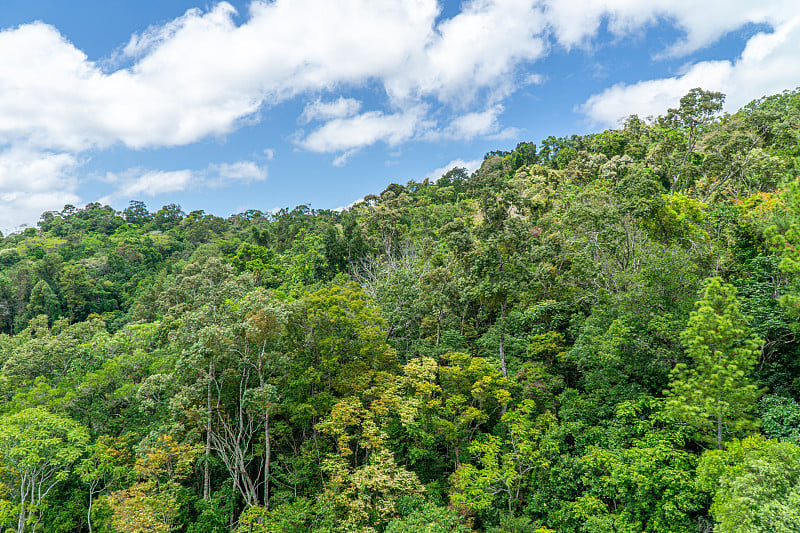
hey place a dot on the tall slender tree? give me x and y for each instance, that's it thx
(716, 395)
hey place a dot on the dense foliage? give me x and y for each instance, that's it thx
(595, 335)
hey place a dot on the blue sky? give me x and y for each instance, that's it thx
(228, 106)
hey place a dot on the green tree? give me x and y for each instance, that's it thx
(151, 505)
(137, 213)
(716, 395)
(259, 261)
(755, 485)
(642, 478)
(106, 465)
(43, 301)
(508, 464)
(428, 519)
(780, 418)
(497, 265)
(785, 240)
(697, 108)
(37, 449)
(469, 393)
(168, 217)
(78, 290)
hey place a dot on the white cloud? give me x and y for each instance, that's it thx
(478, 49)
(767, 65)
(32, 182)
(535, 79)
(204, 75)
(189, 78)
(346, 134)
(25, 207)
(471, 166)
(575, 22)
(348, 206)
(242, 171)
(137, 182)
(32, 171)
(319, 110)
(142, 43)
(342, 158)
(471, 125)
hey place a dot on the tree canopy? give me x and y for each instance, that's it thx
(593, 333)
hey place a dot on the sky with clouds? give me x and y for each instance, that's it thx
(229, 106)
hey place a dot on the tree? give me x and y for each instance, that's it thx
(137, 213)
(151, 505)
(365, 483)
(244, 397)
(499, 256)
(37, 449)
(77, 289)
(716, 394)
(343, 334)
(168, 217)
(755, 485)
(642, 478)
(43, 301)
(104, 466)
(696, 109)
(468, 392)
(259, 261)
(205, 296)
(508, 464)
(369, 495)
(428, 519)
(786, 244)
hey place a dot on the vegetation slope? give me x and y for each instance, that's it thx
(598, 334)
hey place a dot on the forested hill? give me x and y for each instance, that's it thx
(597, 334)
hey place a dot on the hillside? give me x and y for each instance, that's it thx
(595, 334)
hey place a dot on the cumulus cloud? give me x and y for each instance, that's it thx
(471, 166)
(471, 125)
(32, 182)
(577, 22)
(189, 79)
(767, 65)
(24, 207)
(477, 50)
(22, 169)
(343, 134)
(319, 110)
(241, 171)
(350, 134)
(205, 75)
(137, 182)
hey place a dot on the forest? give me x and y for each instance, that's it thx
(596, 334)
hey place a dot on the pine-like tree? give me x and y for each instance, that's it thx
(716, 394)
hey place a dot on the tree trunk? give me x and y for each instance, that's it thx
(438, 327)
(89, 512)
(267, 451)
(503, 337)
(206, 464)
